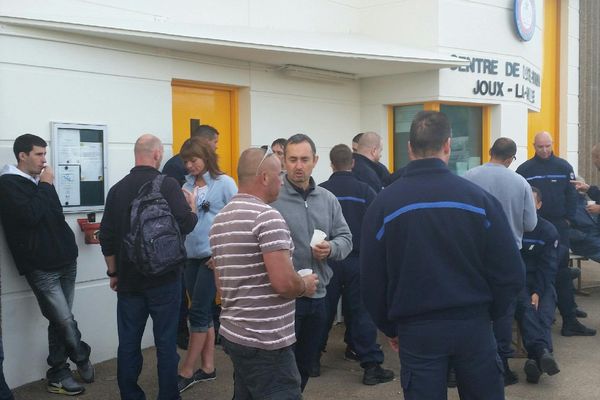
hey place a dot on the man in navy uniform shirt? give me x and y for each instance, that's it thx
(354, 197)
(552, 176)
(438, 264)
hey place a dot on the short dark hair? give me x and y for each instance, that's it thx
(206, 132)
(503, 148)
(299, 138)
(281, 142)
(341, 157)
(537, 192)
(356, 138)
(25, 143)
(428, 132)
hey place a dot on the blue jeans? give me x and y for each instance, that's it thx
(5, 393)
(200, 284)
(428, 347)
(309, 324)
(162, 305)
(263, 374)
(361, 328)
(54, 291)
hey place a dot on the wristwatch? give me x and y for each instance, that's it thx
(111, 274)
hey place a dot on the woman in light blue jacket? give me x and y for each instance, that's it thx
(212, 190)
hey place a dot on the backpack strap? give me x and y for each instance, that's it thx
(157, 183)
(152, 186)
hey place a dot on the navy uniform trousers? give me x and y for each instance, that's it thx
(427, 347)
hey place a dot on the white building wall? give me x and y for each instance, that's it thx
(57, 77)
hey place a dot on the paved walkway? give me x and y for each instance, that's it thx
(578, 358)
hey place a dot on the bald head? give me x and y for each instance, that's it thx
(596, 155)
(542, 143)
(259, 175)
(148, 150)
(370, 146)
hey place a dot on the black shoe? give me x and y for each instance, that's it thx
(548, 363)
(576, 328)
(201, 376)
(86, 372)
(374, 374)
(184, 383)
(451, 380)
(510, 378)
(350, 355)
(580, 313)
(532, 371)
(183, 339)
(67, 386)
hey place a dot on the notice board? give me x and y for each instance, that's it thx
(80, 168)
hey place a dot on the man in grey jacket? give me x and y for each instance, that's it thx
(307, 207)
(514, 194)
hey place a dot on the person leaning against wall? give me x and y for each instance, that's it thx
(44, 249)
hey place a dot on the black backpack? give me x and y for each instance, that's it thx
(154, 244)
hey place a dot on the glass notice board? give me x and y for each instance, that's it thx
(80, 168)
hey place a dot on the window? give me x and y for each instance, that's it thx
(467, 124)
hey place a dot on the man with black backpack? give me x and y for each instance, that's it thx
(145, 220)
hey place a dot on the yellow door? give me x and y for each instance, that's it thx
(198, 104)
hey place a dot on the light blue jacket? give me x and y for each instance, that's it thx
(220, 191)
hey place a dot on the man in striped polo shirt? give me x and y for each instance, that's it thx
(252, 249)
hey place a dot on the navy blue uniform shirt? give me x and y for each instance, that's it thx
(552, 176)
(436, 246)
(540, 254)
(354, 197)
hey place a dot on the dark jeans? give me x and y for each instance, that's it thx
(546, 311)
(162, 305)
(310, 323)
(5, 393)
(362, 330)
(54, 291)
(200, 284)
(263, 374)
(427, 347)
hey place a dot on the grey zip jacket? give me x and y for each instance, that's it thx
(321, 210)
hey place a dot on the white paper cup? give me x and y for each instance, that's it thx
(305, 271)
(591, 202)
(317, 237)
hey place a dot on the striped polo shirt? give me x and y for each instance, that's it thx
(252, 313)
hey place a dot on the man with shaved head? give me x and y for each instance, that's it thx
(552, 176)
(367, 167)
(252, 251)
(138, 295)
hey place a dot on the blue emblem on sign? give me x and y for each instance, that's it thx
(524, 12)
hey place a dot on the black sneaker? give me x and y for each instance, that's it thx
(375, 374)
(201, 376)
(548, 363)
(580, 313)
(86, 372)
(510, 377)
(350, 355)
(184, 383)
(67, 386)
(576, 328)
(532, 371)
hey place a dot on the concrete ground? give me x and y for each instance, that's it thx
(578, 358)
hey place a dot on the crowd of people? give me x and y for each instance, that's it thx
(441, 264)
